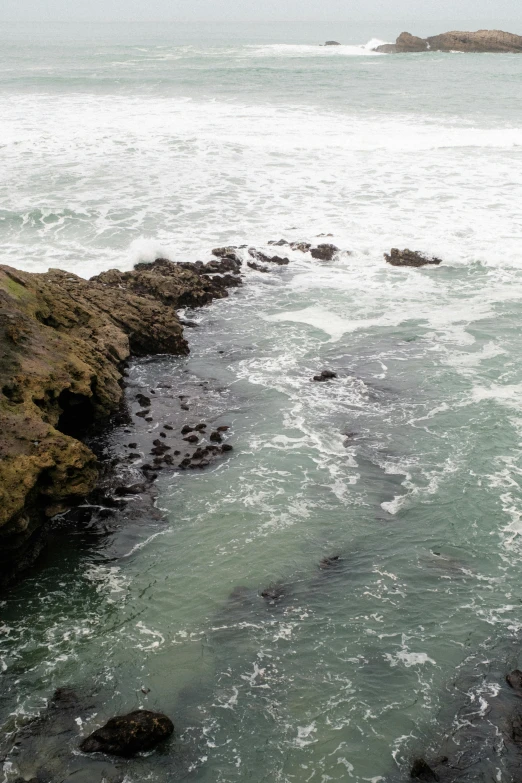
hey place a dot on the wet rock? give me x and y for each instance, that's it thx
(127, 735)
(184, 407)
(324, 252)
(200, 427)
(186, 429)
(516, 728)
(149, 419)
(332, 43)
(226, 447)
(304, 247)
(191, 439)
(163, 434)
(278, 242)
(168, 427)
(142, 414)
(132, 445)
(225, 252)
(420, 770)
(274, 593)
(216, 437)
(409, 258)
(132, 489)
(325, 375)
(514, 680)
(223, 428)
(257, 267)
(259, 256)
(144, 401)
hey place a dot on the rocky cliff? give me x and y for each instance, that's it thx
(455, 41)
(63, 344)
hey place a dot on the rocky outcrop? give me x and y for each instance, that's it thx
(409, 258)
(127, 735)
(63, 343)
(324, 252)
(456, 41)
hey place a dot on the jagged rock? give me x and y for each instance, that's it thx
(127, 735)
(324, 252)
(456, 41)
(63, 344)
(409, 258)
(420, 770)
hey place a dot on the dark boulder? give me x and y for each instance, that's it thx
(324, 252)
(278, 242)
(332, 43)
(127, 735)
(143, 401)
(216, 437)
(409, 258)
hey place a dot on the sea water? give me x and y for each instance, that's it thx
(121, 143)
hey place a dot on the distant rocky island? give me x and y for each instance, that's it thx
(455, 41)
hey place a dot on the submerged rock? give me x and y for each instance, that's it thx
(324, 252)
(127, 735)
(420, 770)
(274, 593)
(456, 41)
(409, 258)
(514, 679)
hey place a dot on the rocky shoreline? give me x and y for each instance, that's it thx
(65, 344)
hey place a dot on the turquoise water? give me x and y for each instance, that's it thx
(407, 466)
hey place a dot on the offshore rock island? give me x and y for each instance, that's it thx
(456, 41)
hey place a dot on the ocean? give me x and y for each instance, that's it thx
(125, 142)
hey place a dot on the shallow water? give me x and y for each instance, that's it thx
(407, 465)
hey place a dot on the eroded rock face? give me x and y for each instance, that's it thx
(63, 342)
(127, 735)
(456, 41)
(409, 258)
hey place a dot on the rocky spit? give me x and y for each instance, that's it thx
(456, 41)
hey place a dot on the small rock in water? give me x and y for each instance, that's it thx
(186, 429)
(409, 258)
(278, 242)
(226, 447)
(143, 400)
(200, 427)
(191, 438)
(143, 414)
(325, 375)
(216, 437)
(258, 268)
(514, 679)
(168, 427)
(127, 735)
(332, 43)
(420, 770)
(324, 252)
(223, 428)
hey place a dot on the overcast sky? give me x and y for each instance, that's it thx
(486, 12)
